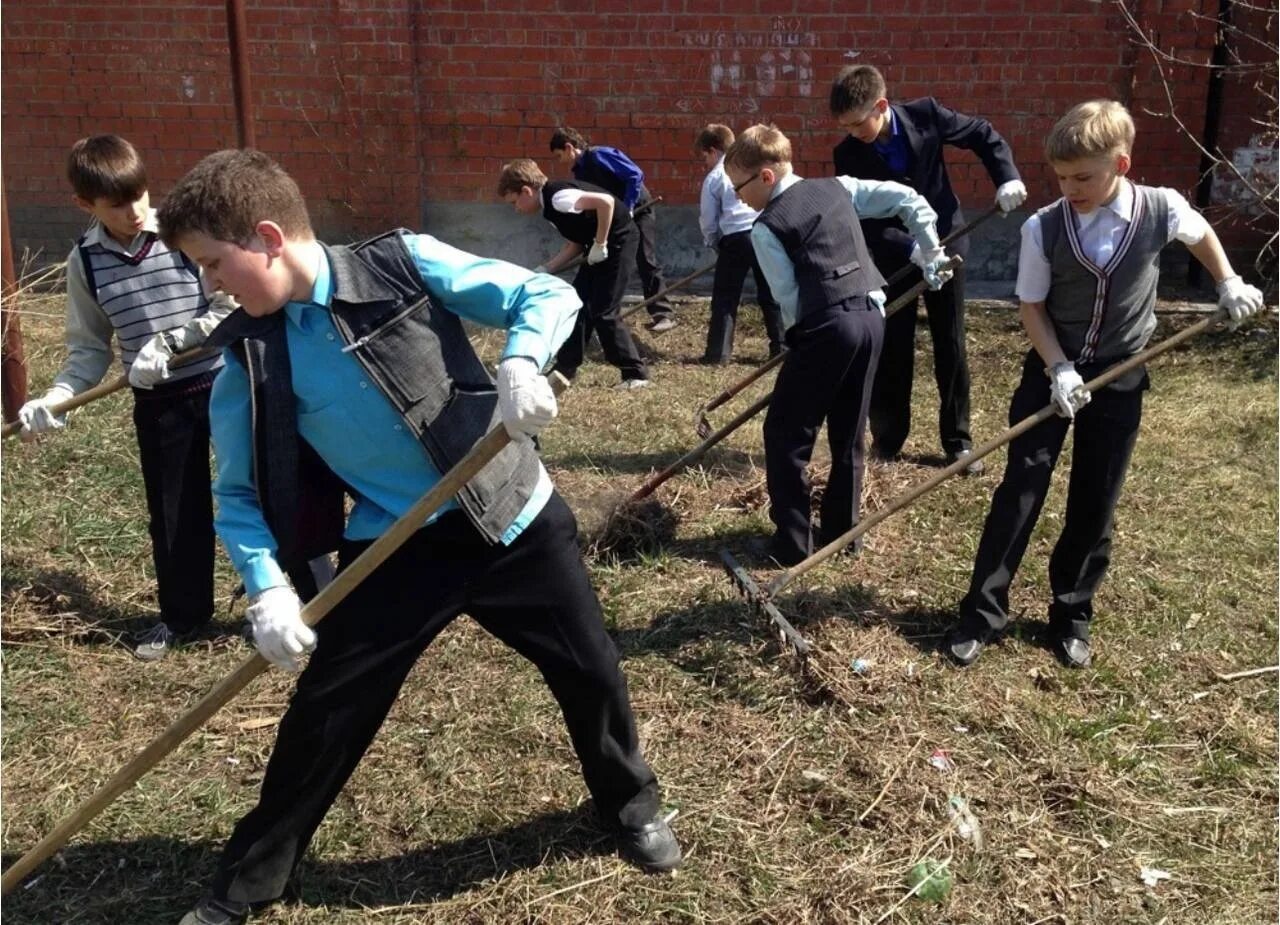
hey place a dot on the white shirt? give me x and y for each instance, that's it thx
(722, 213)
(1100, 233)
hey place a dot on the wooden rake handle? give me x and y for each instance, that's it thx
(903, 272)
(103, 389)
(678, 284)
(315, 611)
(914, 494)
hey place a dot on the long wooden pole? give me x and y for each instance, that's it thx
(315, 611)
(914, 494)
(102, 389)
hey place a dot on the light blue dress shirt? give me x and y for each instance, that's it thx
(721, 213)
(351, 424)
(871, 199)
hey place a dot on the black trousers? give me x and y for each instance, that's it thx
(601, 288)
(826, 376)
(1105, 432)
(891, 395)
(651, 281)
(534, 595)
(735, 258)
(172, 425)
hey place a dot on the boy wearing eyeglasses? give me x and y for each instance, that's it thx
(809, 244)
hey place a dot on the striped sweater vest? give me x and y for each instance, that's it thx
(1105, 312)
(155, 289)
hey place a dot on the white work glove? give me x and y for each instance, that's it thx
(525, 399)
(540, 268)
(151, 365)
(599, 253)
(36, 417)
(1239, 299)
(1010, 195)
(932, 264)
(1066, 389)
(278, 631)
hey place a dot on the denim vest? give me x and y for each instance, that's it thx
(419, 356)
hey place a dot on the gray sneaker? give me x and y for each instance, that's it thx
(665, 323)
(155, 643)
(627, 385)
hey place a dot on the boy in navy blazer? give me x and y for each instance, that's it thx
(903, 142)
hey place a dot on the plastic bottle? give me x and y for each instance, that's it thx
(964, 821)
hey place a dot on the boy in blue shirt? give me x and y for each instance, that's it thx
(726, 226)
(613, 171)
(809, 244)
(1087, 276)
(349, 370)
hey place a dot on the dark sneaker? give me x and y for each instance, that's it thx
(658, 325)
(768, 553)
(155, 643)
(652, 847)
(210, 911)
(713, 361)
(977, 467)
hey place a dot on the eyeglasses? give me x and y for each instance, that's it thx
(746, 182)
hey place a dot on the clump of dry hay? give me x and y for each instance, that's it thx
(628, 529)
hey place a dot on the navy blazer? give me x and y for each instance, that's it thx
(927, 125)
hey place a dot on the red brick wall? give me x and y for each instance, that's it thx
(380, 107)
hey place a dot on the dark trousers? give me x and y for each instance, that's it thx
(651, 280)
(172, 424)
(1105, 432)
(601, 288)
(735, 258)
(826, 376)
(533, 595)
(891, 395)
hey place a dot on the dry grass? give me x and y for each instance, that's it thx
(794, 808)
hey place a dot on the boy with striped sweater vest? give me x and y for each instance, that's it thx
(123, 282)
(594, 222)
(810, 246)
(1087, 276)
(349, 370)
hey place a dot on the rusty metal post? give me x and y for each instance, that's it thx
(13, 362)
(238, 39)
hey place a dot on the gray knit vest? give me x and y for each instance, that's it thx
(1105, 312)
(156, 289)
(816, 224)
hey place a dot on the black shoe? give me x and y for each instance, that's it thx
(977, 467)
(964, 645)
(713, 361)
(1073, 651)
(768, 550)
(774, 350)
(652, 847)
(210, 911)
(879, 455)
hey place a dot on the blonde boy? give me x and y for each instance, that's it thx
(1087, 279)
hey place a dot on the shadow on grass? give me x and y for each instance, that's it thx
(58, 602)
(157, 879)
